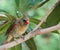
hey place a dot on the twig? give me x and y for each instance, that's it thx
(40, 4)
(46, 16)
(30, 35)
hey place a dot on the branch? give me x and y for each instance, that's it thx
(33, 33)
(30, 35)
(40, 4)
(47, 15)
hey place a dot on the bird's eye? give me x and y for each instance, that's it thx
(24, 20)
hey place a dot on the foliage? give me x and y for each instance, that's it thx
(9, 8)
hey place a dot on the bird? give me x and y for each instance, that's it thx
(17, 29)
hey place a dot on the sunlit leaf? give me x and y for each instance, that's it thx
(8, 6)
(54, 17)
(18, 47)
(25, 5)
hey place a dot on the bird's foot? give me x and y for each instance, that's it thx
(22, 37)
(15, 40)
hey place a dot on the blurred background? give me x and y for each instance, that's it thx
(36, 10)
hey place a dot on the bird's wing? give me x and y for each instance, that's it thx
(10, 28)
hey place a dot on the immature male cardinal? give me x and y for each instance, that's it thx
(17, 29)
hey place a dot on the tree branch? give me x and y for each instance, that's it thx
(40, 4)
(30, 35)
(33, 33)
(47, 15)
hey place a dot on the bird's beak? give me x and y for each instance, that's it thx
(27, 22)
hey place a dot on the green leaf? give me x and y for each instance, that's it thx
(36, 21)
(4, 28)
(31, 44)
(17, 3)
(3, 18)
(3, 32)
(8, 6)
(50, 43)
(18, 47)
(54, 17)
(32, 25)
(25, 5)
(2, 39)
(8, 22)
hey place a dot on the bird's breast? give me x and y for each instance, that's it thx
(20, 30)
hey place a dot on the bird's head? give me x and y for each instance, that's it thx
(24, 21)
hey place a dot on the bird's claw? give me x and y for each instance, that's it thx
(15, 40)
(22, 37)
